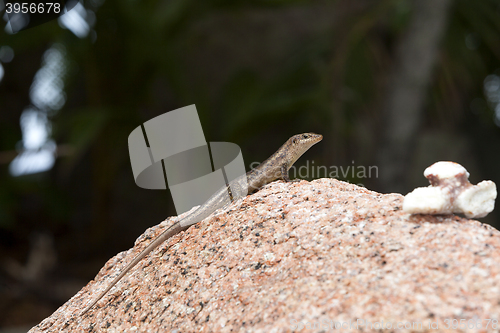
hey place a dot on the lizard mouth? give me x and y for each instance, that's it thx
(318, 138)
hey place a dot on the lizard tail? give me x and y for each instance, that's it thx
(171, 231)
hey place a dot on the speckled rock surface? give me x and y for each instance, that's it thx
(309, 257)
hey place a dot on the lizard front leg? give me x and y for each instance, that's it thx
(284, 175)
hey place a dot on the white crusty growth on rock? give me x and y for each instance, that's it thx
(451, 192)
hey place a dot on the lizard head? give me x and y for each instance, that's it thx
(300, 143)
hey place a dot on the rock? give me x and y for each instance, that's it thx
(295, 255)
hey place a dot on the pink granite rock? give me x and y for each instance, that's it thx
(308, 256)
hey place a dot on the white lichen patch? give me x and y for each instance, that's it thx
(445, 170)
(451, 192)
(427, 200)
(478, 200)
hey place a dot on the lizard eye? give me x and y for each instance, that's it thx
(306, 136)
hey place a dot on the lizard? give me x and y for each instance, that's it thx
(275, 167)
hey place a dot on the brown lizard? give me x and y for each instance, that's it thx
(275, 167)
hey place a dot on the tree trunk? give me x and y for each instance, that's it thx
(416, 56)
